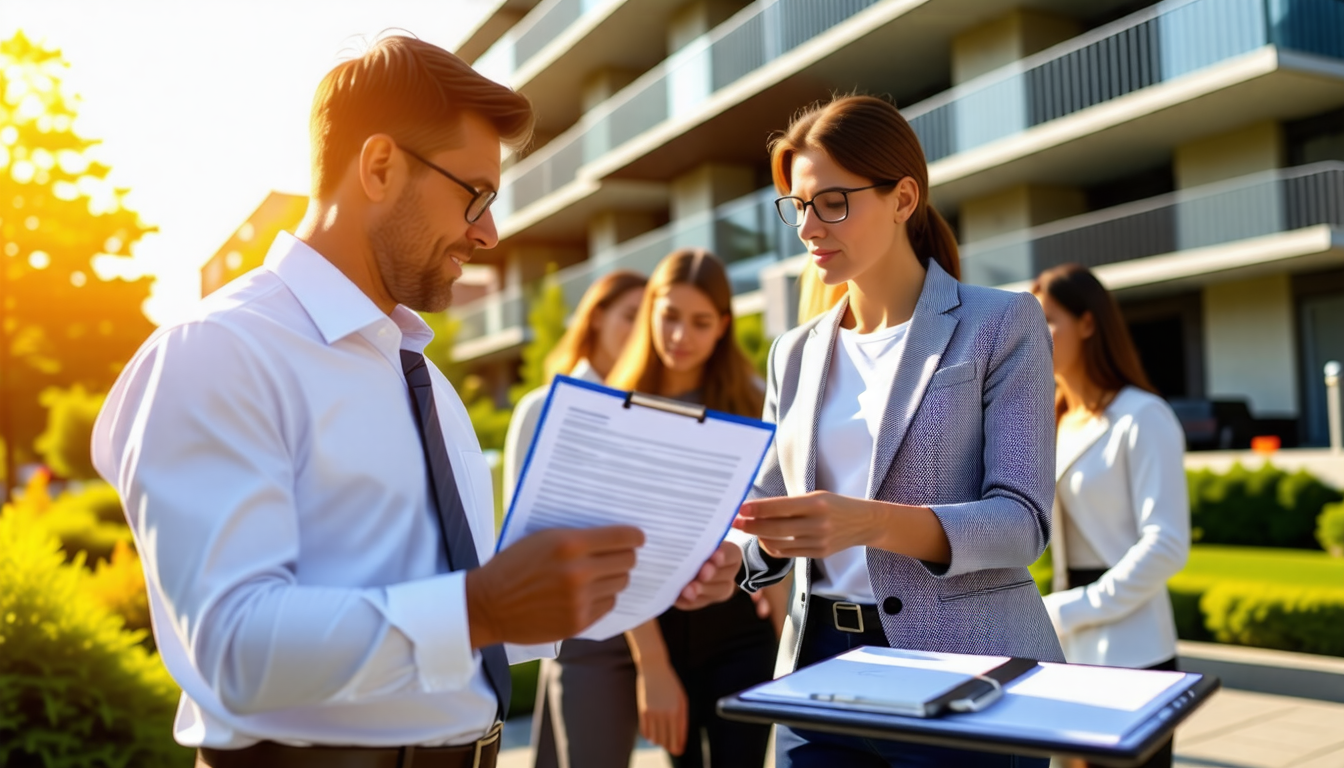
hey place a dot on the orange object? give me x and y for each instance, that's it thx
(1265, 444)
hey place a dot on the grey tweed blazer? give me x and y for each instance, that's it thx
(969, 431)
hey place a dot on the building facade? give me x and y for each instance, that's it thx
(1189, 151)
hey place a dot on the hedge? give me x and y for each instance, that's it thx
(77, 689)
(1265, 507)
(1330, 529)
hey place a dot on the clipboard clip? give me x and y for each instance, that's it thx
(977, 703)
(696, 412)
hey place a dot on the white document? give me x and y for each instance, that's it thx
(596, 461)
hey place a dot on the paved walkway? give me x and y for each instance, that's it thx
(1236, 729)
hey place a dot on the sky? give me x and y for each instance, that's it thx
(202, 106)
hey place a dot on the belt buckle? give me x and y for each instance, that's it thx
(858, 616)
(496, 731)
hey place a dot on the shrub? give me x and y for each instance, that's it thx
(87, 520)
(118, 584)
(76, 688)
(64, 446)
(1264, 507)
(1305, 619)
(1185, 610)
(1330, 529)
(524, 677)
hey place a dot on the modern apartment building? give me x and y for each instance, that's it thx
(1190, 151)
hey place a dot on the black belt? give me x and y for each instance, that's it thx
(1081, 577)
(269, 754)
(856, 618)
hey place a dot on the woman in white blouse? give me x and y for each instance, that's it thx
(1122, 514)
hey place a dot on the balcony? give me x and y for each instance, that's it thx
(1128, 92)
(756, 36)
(1291, 218)
(746, 233)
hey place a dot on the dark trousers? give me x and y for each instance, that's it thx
(711, 740)
(586, 716)
(799, 748)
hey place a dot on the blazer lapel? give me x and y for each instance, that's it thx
(800, 463)
(930, 331)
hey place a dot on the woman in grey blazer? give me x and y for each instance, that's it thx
(912, 476)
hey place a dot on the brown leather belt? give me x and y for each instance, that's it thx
(268, 754)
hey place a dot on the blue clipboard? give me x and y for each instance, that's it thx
(633, 400)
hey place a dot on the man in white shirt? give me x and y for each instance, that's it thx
(311, 504)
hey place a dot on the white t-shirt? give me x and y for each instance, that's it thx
(863, 368)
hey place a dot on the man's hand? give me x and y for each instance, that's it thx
(716, 581)
(550, 586)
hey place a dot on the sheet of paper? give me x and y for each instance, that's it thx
(595, 462)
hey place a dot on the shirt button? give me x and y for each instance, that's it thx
(892, 606)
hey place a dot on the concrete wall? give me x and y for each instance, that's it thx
(709, 185)
(1018, 208)
(611, 228)
(1020, 33)
(1258, 147)
(695, 19)
(1249, 345)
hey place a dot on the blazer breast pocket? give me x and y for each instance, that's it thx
(952, 375)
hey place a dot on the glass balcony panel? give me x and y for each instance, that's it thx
(548, 23)
(1216, 214)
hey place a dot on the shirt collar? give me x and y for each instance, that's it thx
(336, 305)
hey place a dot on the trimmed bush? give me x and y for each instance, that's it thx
(1309, 620)
(1330, 529)
(118, 585)
(87, 520)
(76, 688)
(1264, 507)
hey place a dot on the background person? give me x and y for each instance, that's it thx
(910, 481)
(683, 347)
(312, 508)
(1122, 512)
(585, 713)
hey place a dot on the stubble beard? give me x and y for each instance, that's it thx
(410, 264)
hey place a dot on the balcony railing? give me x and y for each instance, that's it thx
(546, 22)
(1215, 214)
(746, 233)
(757, 35)
(1152, 46)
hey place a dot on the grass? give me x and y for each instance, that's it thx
(1213, 563)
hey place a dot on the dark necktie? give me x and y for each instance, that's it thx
(457, 540)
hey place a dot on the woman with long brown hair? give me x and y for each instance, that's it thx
(585, 713)
(909, 484)
(1122, 514)
(683, 347)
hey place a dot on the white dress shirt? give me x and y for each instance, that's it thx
(271, 469)
(1120, 486)
(863, 367)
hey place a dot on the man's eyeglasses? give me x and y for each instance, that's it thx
(480, 198)
(830, 205)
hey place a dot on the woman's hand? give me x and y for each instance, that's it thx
(818, 524)
(821, 523)
(662, 706)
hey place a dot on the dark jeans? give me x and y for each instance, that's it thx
(799, 748)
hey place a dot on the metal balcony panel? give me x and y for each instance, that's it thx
(621, 34)
(1241, 224)
(492, 27)
(1143, 127)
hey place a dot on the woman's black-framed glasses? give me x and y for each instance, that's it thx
(830, 205)
(480, 198)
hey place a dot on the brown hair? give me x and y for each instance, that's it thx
(577, 343)
(814, 296)
(730, 383)
(411, 90)
(868, 137)
(1109, 355)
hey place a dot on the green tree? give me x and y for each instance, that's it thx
(546, 320)
(751, 337)
(62, 324)
(64, 446)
